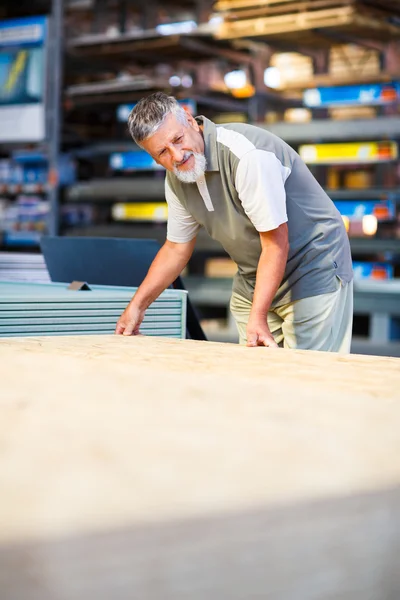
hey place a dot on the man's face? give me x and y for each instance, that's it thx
(178, 148)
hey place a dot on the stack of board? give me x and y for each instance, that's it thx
(307, 22)
(23, 266)
(53, 309)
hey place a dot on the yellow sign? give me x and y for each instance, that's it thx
(140, 211)
(353, 152)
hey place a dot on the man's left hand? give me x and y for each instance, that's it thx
(258, 334)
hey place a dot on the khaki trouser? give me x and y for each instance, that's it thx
(318, 323)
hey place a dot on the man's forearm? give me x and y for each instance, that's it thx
(270, 271)
(165, 268)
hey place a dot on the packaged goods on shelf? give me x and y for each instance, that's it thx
(25, 221)
(220, 267)
(352, 95)
(297, 115)
(77, 215)
(338, 177)
(348, 113)
(383, 210)
(376, 271)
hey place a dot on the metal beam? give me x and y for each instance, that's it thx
(328, 129)
(213, 50)
(54, 109)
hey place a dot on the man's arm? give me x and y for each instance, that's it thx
(165, 268)
(270, 271)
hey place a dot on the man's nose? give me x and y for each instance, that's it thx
(177, 154)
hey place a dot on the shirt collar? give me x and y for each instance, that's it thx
(210, 143)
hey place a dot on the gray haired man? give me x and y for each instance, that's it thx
(255, 195)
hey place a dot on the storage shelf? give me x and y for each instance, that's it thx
(143, 188)
(328, 129)
(117, 189)
(369, 246)
(365, 194)
(359, 246)
(148, 47)
(209, 291)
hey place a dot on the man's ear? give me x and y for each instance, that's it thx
(192, 121)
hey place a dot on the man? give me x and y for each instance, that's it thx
(253, 194)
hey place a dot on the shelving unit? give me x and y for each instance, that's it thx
(45, 17)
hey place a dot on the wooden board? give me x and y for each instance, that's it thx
(260, 10)
(300, 27)
(162, 469)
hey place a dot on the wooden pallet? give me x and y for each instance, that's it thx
(271, 10)
(225, 5)
(296, 5)
(300, 27)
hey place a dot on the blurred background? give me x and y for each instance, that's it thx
(324, 75)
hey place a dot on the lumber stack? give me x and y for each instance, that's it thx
(308, 22)
(174, 469)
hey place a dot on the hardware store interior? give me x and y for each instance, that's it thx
(182, 463)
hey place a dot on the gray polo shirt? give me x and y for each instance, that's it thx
(254, 182)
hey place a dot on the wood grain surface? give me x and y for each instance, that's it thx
(169, 469)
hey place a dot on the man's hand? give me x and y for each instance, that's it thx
(258, 334)
(130, 320)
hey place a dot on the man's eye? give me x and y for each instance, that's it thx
(162, 152)
(179, 139)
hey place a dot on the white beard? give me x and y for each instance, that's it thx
(192, 175)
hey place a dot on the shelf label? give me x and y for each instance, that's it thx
(353, 152)
(140, 211)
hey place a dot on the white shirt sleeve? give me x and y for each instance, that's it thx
(260, 184)
(181, 226)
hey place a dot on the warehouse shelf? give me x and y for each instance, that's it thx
(368, 246)
(359, 246)
(365, 194)
(379, 300)
(328, 129)
(310, 24)
(217, 292)
(152, 188)
(104, 148)
(117, 189)
(149, 46)
(129, 84)
(318, 130)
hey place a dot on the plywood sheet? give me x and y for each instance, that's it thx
(170, 469)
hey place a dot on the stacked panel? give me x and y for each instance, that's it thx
(53, 309)
(21, 266)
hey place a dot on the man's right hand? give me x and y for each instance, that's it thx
(130, 320)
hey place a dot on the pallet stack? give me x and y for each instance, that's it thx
(308, 22)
